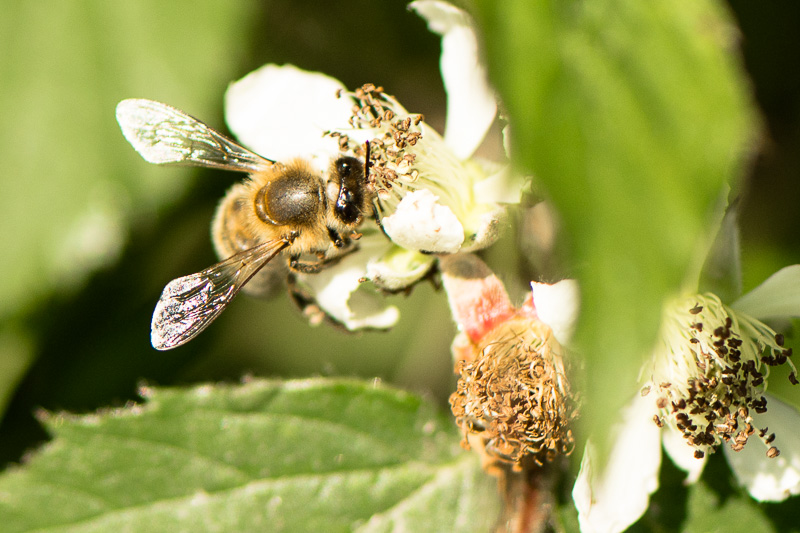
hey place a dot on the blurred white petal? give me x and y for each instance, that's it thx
(558, 305)
(504, 186)
(611, 500)
(281, 112)
(682, 454)
(507, 139)
(486, 230)
(778, 296)
(421, 223)
(398, 268)
(771, 480)
(471, 102)
(336, 290)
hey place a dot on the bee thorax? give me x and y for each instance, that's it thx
(293, 200)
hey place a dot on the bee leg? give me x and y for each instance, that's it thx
(336, 239)
(305, 267)
(323, 261)
(307, 305)
(305, 302)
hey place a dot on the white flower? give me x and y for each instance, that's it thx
(433, 197)
(610, 500)
(471, 104)
(420, 222)
(513, 400)
(706, 389)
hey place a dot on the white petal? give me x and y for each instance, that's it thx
(771, 480)
(336, 291)
(683, 455)
(504, 186)
(281, 112)
(557, 305)
(778, 296)
(462, 348)
(421, 223)
(485, 228)
(507, 139)
(471, 102)
(612, 500)
(399, 268)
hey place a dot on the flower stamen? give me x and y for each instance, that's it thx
(711, 374)
(407, 155)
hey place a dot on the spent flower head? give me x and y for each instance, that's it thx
(513, 400)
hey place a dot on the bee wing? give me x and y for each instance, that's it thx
(163, 134)
(189, 304)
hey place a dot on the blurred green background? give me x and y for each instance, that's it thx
(92, 233)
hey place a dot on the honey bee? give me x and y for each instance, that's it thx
(281, 209)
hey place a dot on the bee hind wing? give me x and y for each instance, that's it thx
(189, 304)
(163, 134)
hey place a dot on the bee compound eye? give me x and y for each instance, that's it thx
(343, 167)
(349, 168)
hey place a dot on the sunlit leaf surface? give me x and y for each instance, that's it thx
(308, 455)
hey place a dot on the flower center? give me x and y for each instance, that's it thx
(400, 161)
(710, 373)
(514, 395)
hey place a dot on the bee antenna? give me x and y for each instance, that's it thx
(367, 163)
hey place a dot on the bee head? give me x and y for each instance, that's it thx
(350, 205)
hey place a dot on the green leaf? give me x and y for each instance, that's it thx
(307, 455)
(72, 185)
(708, 512)
(777, 297)
(633, 115)
(16, 348)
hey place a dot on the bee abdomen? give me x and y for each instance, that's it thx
(230, 230)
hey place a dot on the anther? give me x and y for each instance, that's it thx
(773, 452)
